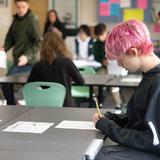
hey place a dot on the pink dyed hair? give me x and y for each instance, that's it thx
(127, 35)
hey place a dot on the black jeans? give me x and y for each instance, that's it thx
(7, 89)
(123, 153)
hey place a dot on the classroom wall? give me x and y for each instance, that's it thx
(87, 14)
(5, 20)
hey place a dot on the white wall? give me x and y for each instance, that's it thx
(5, 20)
(88, 12)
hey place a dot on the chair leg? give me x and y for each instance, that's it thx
(91, 97)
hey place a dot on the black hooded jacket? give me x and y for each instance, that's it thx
(140, 127)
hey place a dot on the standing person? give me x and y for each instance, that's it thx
(56, 65)
(138, 129)
(24, 37)
(83, 44)
(53, 24)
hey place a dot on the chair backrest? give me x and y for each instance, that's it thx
(44, 94)
(87, 70)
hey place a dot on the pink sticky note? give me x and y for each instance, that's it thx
(104, 9)
(156, 28)
(114, 1)
(142, 4)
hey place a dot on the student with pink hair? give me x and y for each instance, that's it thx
(138, 131)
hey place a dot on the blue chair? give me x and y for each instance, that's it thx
(44, 94)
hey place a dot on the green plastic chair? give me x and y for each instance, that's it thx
(79, 91)
(44, 94)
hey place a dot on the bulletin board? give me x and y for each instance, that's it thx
(121, 10)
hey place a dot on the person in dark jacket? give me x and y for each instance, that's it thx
(56, 65)
(24, 37)
(138, 129)
(53, 24)
(99, 45)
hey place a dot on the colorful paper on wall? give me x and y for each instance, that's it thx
(115, 9)
(103, 1)
(142, 4)
(104, 9)
(114, 1)
(125, 3)
(156, 28)
(133, 14)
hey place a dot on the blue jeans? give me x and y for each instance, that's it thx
(8, 89)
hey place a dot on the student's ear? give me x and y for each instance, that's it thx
(133, 52)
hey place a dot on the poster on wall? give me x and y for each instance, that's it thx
(122, 10)
(3, 3)
(67, 12)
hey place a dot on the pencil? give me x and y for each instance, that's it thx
(97, 106)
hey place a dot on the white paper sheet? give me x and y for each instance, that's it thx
(28, 127)
(83, 63)
(3, 59)
(132, 80)
(115, 69)
(82, 125)
(125, 3)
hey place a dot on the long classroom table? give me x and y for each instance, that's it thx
(59, 144)
(90, 80)
(8, 113)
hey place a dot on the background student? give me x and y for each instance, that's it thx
(53, 24)
(56, 65)
(101, 56)
(99, 45)
(83, 44)
(139, 129)
(24, 36)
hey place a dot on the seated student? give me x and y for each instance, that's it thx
(83, 47)
(138, 129)
(99, 54)
(99, 45)
(55, 65)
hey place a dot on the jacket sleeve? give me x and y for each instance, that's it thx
(127, 137)
(97, 51)
(120, 119)
(75, 74)
(35, 36)
(9, 41)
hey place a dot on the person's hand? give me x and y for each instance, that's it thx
(22, 60)
(96, 117)
(104, 62)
